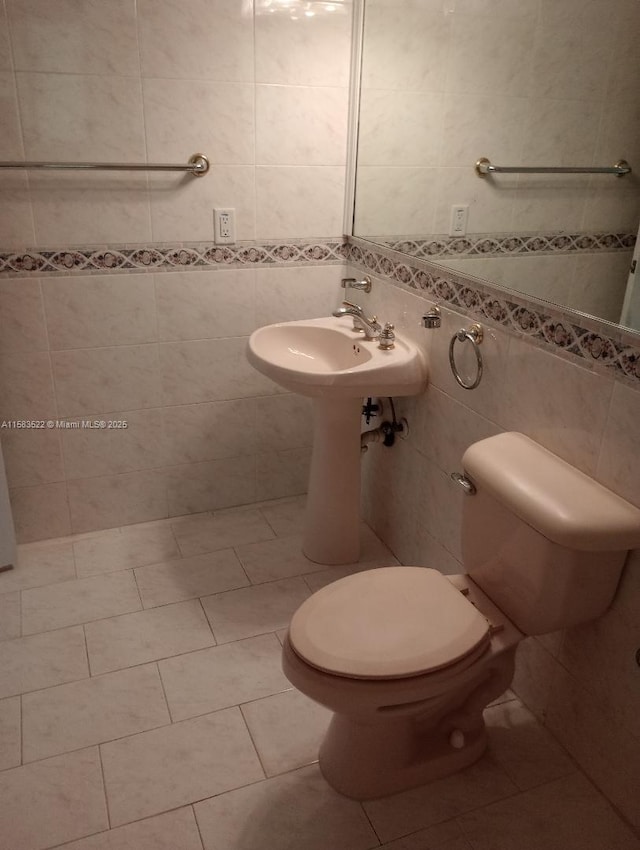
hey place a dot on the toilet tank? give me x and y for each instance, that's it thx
(543, 540)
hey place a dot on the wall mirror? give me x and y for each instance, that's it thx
(522, 83)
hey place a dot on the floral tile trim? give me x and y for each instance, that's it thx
(523, 318)
(491, 245)
(158, 257)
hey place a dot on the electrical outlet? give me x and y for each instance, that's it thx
(224, 226)
(459, 216)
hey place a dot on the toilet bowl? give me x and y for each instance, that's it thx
(421, 715)
(407, 659)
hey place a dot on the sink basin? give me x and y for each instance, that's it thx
(327, 358)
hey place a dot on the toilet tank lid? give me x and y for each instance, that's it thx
(562, 503)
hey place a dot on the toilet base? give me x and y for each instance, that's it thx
(363, 761)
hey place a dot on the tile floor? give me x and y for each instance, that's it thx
(142, 707)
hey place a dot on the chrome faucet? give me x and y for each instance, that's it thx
(371, 327)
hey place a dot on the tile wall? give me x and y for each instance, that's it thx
(265, 98)
(165, 353)
(583, 683)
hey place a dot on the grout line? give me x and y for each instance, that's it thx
(21, 732)
(253, 743)
(164, 691)
(104, 786)
(370, 822)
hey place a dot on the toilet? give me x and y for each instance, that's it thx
(407, 659)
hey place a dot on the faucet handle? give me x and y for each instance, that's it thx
(352, 306)
(387, 337)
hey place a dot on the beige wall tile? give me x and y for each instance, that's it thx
(617, 464)
(603, 749)
(564, 407)
(283, 422)
(300, 125)
(137, 638)
(535, 669)
(205, 304)
(209, 370)
(53, 801)
(93, 451)
(299, 201)
(225, 54)
(283, 473)
(26, 386)
(96, 38)
(99, 310)
(214, 484)
(64, 115)
(6, 59)
(22, 326)
(182, 208)
(528, 753)
(206, 681)
(602, 656)
(113, 500)
(165, 768)
(285, 295)
(85, 209)
(307, 51)
(17, 219)
(103, 379)
(10, 747)
(40, 512)
(210, 430)
(10, 134)
(79, 601)
(103, 708)
(185, 116)
(41, 661)
(32, 456)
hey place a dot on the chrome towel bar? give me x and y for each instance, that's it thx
(484, 167)
(198, 165)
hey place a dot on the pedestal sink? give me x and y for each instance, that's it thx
(333, 364)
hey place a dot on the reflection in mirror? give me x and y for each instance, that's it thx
(524, 83)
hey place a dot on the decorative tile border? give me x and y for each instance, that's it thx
(536, 321)
(164, 257)
(492, 245)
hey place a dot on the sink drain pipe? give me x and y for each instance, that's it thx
(386, 433)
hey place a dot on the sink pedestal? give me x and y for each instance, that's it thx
(332, 521)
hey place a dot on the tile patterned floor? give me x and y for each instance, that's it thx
(142, 707)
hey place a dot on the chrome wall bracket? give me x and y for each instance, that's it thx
(352, 283)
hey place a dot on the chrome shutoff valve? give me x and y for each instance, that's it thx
(387, 338)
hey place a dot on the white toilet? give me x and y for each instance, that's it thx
(407, 659)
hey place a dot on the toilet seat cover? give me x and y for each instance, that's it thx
(390, 622)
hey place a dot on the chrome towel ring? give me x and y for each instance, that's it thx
(474, 335)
